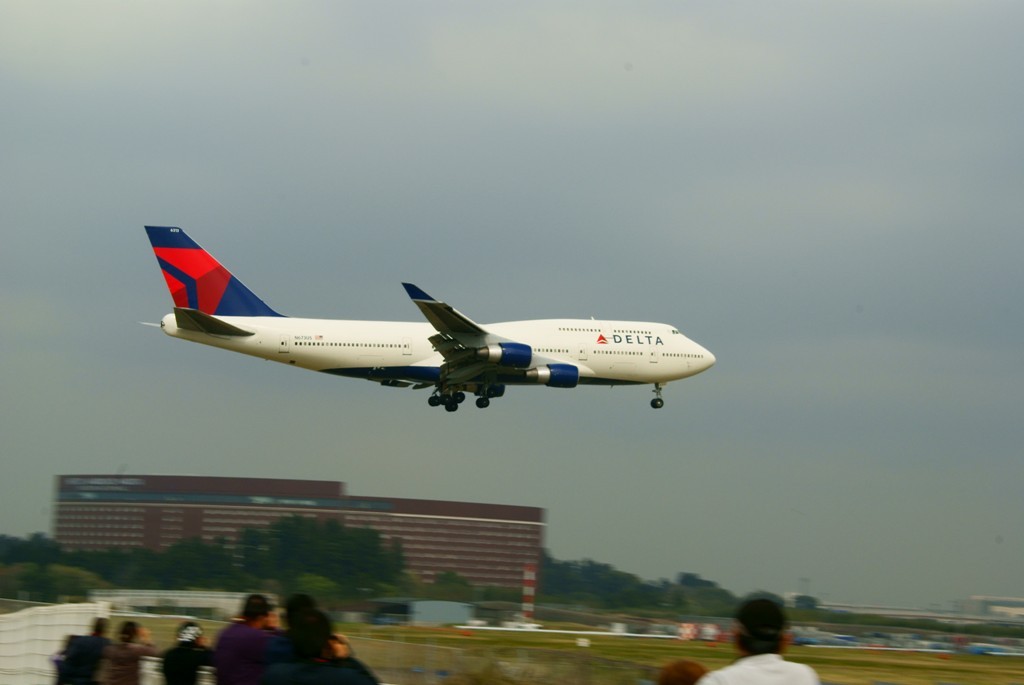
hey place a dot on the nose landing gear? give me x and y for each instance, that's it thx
(657, 402)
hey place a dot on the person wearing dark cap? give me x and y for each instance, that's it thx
(181, 663)
(240, 653)
(760, 637)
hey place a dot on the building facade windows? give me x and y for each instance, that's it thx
(488, 544)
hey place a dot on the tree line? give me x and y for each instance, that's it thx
(336, 564)
(594, 584)
(332, 562)
(294, 554)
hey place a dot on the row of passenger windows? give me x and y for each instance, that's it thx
(637, 354)
(540, 349)
(579, 330)
(302, 343)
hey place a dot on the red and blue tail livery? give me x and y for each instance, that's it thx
(198, 281)
(448, 351)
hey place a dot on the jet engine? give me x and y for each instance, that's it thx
(515, 355)
(555, 375)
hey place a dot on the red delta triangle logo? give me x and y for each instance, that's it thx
(601, 340)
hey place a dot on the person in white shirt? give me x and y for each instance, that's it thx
(760, 637)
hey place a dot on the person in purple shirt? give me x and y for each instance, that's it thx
(240, 653)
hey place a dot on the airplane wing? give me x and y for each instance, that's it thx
(458, 337)
(443, 316)
(471, 352)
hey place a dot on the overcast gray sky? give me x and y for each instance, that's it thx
(828, 196)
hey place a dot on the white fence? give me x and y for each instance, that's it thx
(219, 605)
(28, 639)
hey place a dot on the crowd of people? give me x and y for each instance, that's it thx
(252, 650)
(255, 650)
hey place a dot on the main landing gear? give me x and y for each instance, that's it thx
(451, 399)
(657, 402)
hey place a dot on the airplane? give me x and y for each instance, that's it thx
(448, 352)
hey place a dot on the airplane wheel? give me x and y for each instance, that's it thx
(433, 400)
(657, 403)
(459, 397)
(451, 406)
(483, 402)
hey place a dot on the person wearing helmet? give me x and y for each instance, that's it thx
(182, 663)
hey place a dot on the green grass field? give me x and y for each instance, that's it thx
(841, 666)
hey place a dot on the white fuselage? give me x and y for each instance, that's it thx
(606, 352)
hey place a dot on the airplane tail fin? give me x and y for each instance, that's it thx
(197, 280)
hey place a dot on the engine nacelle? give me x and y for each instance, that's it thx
(515, 355)
(555, 375)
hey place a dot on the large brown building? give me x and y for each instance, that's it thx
(489, 544)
